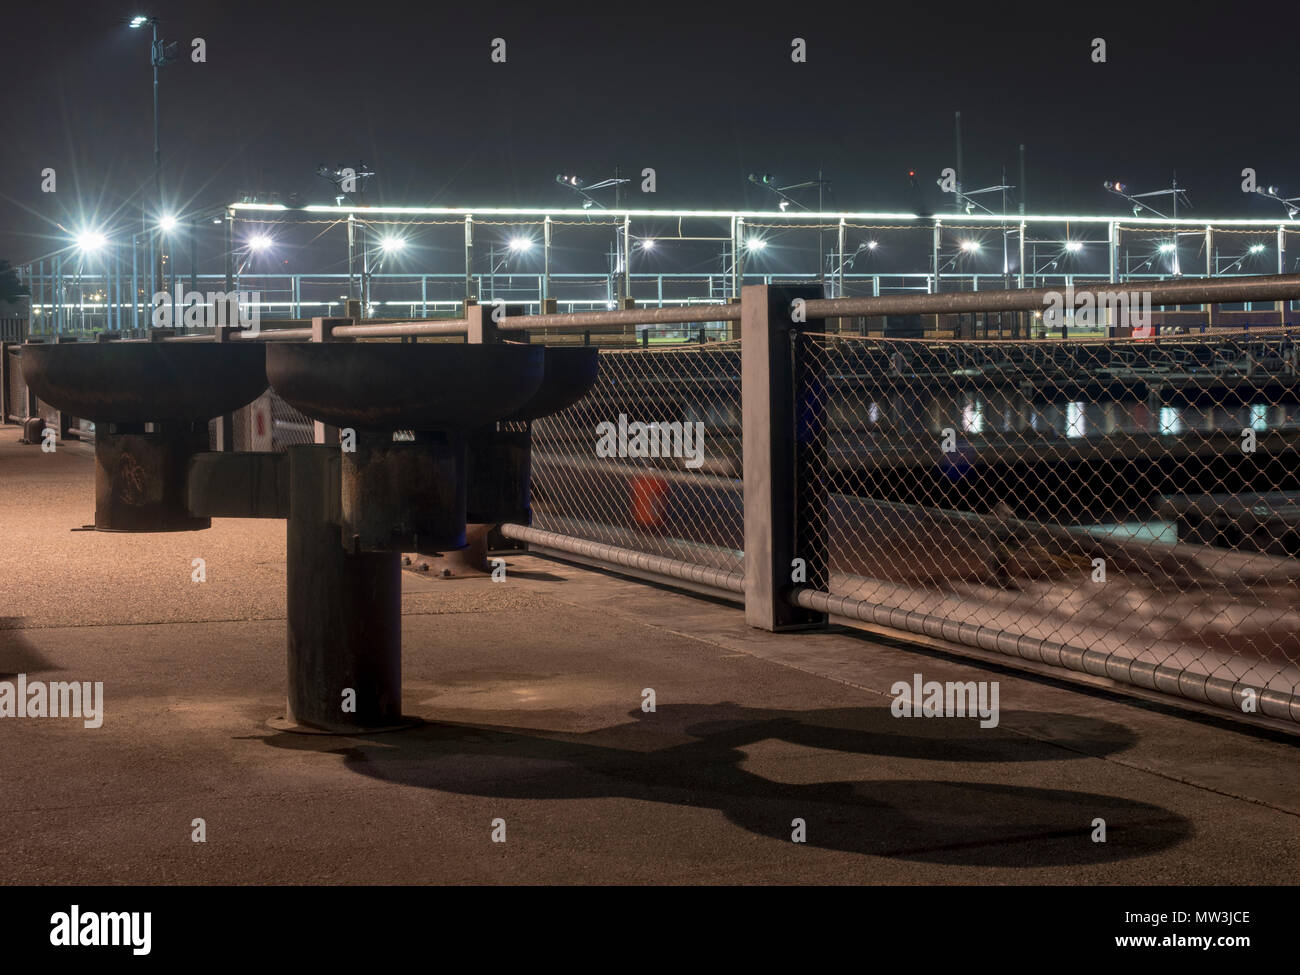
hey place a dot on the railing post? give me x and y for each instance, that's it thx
(480, 328)
(322, 330)
(780, 402)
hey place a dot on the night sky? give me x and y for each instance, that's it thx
(703, 93)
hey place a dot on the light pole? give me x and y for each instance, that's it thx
(160, 53)
(769, 182)
(1175, 192)
(1292, 203)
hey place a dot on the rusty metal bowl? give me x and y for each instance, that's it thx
(138, 382)
(391, 386)
(570, 372)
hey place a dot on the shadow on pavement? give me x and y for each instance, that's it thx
(936, 820)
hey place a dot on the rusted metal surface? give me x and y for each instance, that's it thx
(405, 387)
(570, 372)
(141, 478)
(344, 611)
(407, 496)
(136, 382)
(499, 466)
(243, 485)
(456, 326)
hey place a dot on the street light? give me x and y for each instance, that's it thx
(167, 223)
(970, 246)
(90, 241)
(755, 244)
(583, 188)
(259, 242)
(520, 245)
(1275, 193)
(160, 53)
(392, 244)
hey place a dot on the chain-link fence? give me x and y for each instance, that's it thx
(1130, 509)
(649, 460)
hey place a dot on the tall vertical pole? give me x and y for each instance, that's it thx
(627, 256)
(841, 259)
(957, 126)
(821, 238)
(1281, 268)
(352, 256)
(469, 258)
(1022, 251)
(1024, 186)
(934, 256)
(135, 283)
(546, 258)
(738, 265)
(229, 247)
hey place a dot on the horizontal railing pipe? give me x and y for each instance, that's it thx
(444, 326)
(681, 315)
(1195, 291)
(728, 580)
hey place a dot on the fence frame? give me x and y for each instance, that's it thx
(780, 439)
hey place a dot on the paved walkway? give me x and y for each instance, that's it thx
(533, 692)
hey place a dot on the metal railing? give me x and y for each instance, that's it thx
(1127, 508)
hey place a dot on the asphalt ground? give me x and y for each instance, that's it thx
(532, 691)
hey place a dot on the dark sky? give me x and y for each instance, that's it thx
(704, 93)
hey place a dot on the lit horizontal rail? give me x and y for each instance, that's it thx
(725, 579)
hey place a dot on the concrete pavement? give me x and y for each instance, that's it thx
(532, 691)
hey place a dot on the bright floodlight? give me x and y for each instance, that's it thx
(520, 244)
(90, 241)
(1166, 248)
(166, 223)
(755, 244)
(139, 21)
(1074, 246)
(970, 246)
(1256, 248)
(391, 244)
(259, 242)
(872, 244)
(648, 244)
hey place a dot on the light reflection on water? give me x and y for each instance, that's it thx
(909, 415)
(1165, 532)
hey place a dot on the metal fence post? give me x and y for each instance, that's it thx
(781, 435)
(322, 330)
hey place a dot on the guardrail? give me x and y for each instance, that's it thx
(1121, 508)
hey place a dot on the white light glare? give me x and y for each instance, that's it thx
(1257, 248)
(139, 20)
(648, 244)
(872, 244)
(391, 244)
(90, 241)
(1074, 246)
(259, 242)
(167, 223)
(1166, 248)
(755, 244)
(520, 244)
(970, 246)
